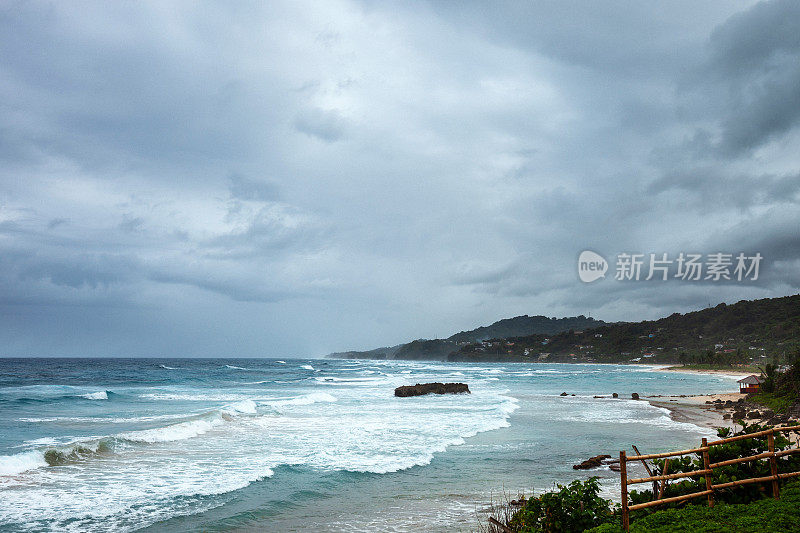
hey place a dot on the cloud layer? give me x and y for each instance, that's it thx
(291, 179)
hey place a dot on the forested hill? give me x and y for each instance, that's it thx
(424, 349)
(526, 325)
(745, 332)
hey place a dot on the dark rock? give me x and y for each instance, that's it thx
(718, 401)
(614, 467)
(428, 388)
(708, 402)
(635, 396)
(753, 414)
(728, 403)
(726, 416)
(615, 395)
(739, 415)
(768, 413)
(592, 462)
(563, 394)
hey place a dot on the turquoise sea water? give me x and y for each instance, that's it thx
(308, 445)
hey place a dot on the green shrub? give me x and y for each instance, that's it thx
(574, 507)
(763, 516)
(740, 494)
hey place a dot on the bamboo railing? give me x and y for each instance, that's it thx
(707, 471)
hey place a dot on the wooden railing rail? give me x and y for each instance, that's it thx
(663, 455)
(754, 435)
(668, 476)
(707, 471)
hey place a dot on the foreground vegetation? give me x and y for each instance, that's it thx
(578, 507)
(762, 516)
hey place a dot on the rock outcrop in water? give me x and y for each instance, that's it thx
(592, 462)
(431, 388)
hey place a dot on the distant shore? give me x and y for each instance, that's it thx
(732, 372)
(695, 409)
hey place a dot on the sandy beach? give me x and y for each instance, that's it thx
(696, 409)
(732, 372)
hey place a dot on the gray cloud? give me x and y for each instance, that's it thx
(327, 126)
(242, 188)
(216, 178)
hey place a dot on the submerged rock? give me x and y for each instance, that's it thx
(563, 394)
(635, 396)
(430, 388)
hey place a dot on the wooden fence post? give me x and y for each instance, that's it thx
(663, 481)
(649, 472)
(773, 466)
(623, 473)
(706, 466)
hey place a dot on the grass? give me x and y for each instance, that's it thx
(779, 403)
(762, 516)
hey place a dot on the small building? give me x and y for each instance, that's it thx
(749, 384)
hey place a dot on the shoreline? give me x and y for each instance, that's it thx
(694, 409)
(731, 373)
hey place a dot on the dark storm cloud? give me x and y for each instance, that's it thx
(713, 188)
(176, 175)
(752, 74)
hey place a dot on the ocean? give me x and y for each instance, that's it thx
(309, 445)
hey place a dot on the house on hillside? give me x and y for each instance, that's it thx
(749, 384)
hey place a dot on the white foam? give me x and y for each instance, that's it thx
(100, 395)
(307, 367)
(306, 399)
(165, 367)
(189, 397)
(22, 462)
(245, 406)
(281, 362)
(232, 367)
(175, 432)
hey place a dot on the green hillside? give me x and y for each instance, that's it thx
(745, 332)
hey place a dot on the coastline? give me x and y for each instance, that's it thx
(700, 409)
(732, 373)
(695, 410)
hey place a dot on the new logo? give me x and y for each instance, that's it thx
(591, 266)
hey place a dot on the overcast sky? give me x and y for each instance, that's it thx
(287, 179)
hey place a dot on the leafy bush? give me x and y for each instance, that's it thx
(764, 516)
(739, 494)
(574, 507)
